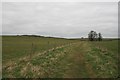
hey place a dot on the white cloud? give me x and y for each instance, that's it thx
(64, 19)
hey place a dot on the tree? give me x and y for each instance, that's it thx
(99, 37)
(93, 36)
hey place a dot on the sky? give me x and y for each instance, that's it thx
(60, 19)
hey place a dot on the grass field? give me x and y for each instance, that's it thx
(40, 57)
(0, 57)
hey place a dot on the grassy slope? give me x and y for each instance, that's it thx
(16, 47)
(82, 59)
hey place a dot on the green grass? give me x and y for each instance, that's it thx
(19, 46)
(103, 56)
(110, 45)
(0, 57)
(84, 59)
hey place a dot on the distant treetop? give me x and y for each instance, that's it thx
(93, 36)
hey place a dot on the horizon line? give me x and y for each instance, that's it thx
(51, 36)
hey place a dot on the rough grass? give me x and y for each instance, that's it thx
(103, 57)
(66, 61)
(18, 46)
(58, 58)
(44, 65)
(0, 57)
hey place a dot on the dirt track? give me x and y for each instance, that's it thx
(66, 61)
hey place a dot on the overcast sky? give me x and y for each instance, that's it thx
(60, 19)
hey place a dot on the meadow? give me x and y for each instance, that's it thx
(19, 46)
(45, 57)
